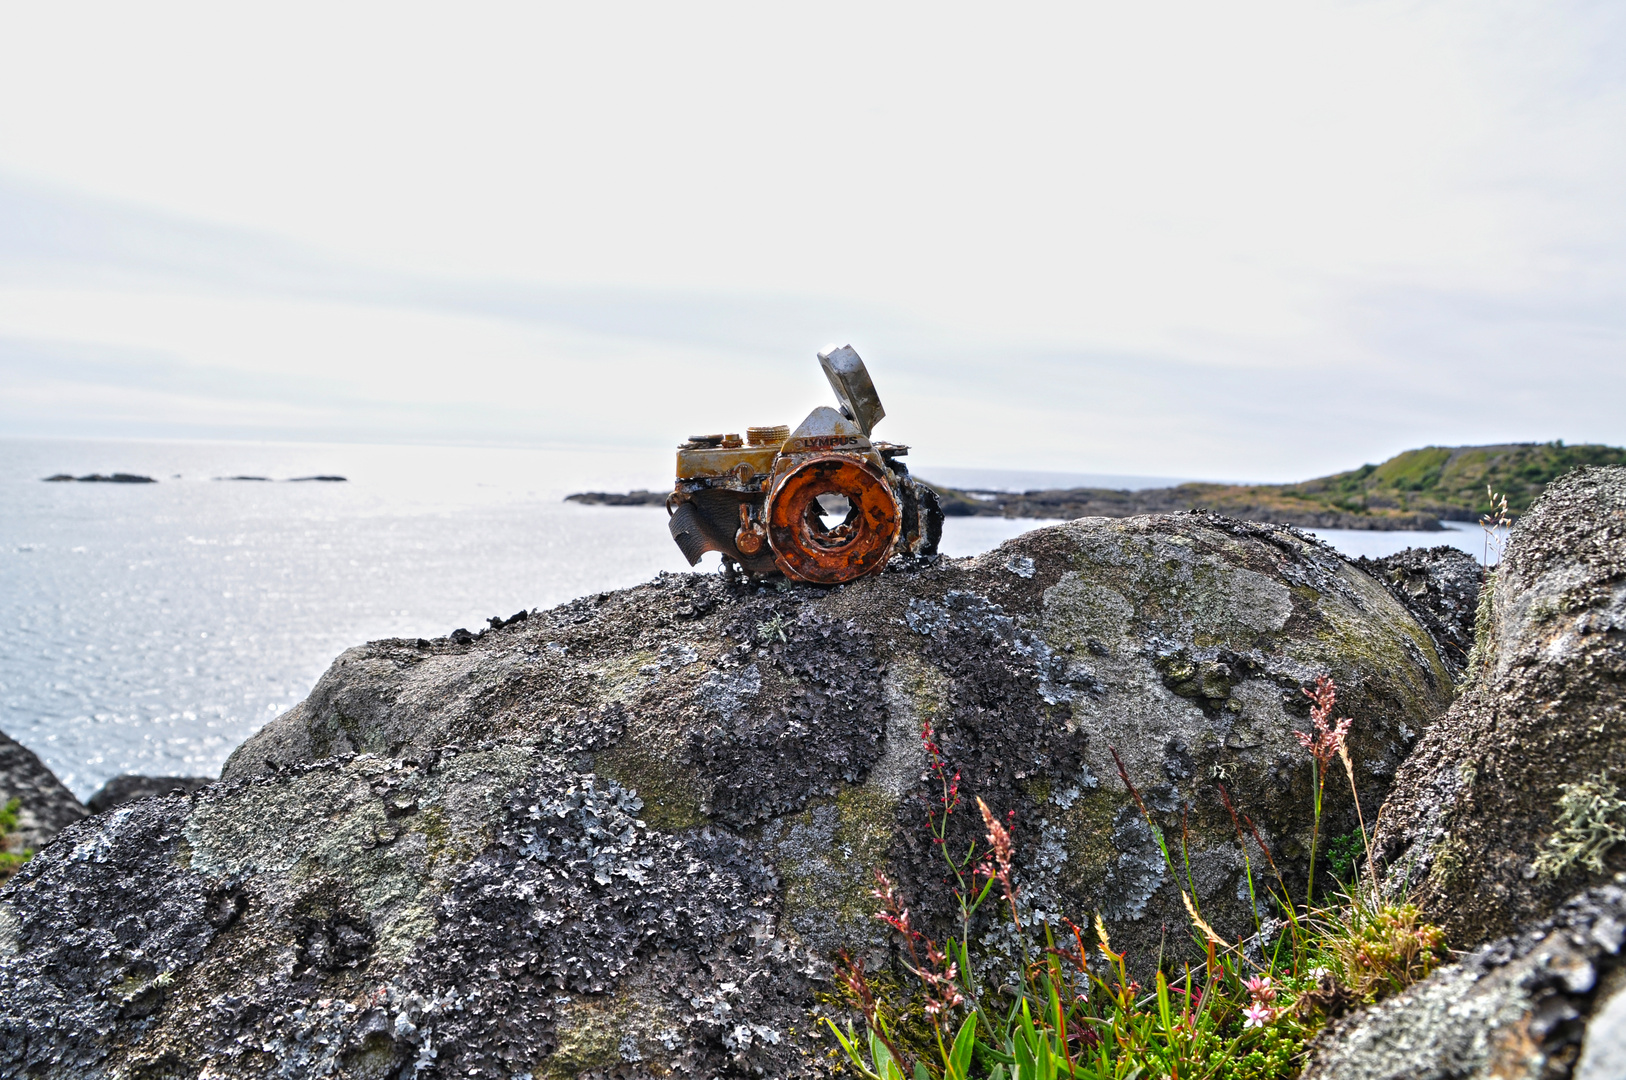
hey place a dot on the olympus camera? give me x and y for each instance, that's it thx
(822, 504)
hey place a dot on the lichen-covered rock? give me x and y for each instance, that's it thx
(1524, 1007)
(624, 837)
(1504, 809)
(1440, 587)
(45, 806)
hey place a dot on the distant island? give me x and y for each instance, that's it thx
(610, 498)
(1414, 490)
(98, 478)
(133, 478)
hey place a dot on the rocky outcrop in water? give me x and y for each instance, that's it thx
(45, 807)
(1440, 587)
(624, 837)
(614, 498)
(1511, 803)
(128, 787)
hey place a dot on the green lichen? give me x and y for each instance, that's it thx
(1088, 839)
(436, 835)
(327, 731)
(376, 837)
(1450, 858)
(623, 678)
(589, 1038)
(1362, 644)
(926, 687)
(1591, 821)
(1124, 584)
(600, 1032)
(671, 802)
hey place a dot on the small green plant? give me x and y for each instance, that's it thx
(1243, 1010)
(1344, 855)
(774, 627)
(1379, 949)
(11, 861)
(1591, 820)
(1483, 650)
(1324, 743)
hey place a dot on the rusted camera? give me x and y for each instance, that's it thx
(822, 504)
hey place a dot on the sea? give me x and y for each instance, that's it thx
(151, 628)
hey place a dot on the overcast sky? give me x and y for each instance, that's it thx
(1253, 241)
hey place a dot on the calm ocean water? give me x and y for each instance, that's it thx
(151, 628)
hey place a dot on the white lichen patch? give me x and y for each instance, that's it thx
(915, 693)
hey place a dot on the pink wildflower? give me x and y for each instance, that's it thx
(1259, 986)
(1328, 737)
(938, 973)
(1258, 1015)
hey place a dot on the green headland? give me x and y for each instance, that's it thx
(1416, 489)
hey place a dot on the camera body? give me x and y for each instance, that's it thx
(822, 504)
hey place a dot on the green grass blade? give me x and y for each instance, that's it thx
(964, 1043)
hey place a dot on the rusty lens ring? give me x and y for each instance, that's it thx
(802, 555)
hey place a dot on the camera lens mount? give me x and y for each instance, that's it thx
(804, 548)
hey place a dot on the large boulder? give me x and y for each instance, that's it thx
(45, 805)
(625, 836)
(1511, 802)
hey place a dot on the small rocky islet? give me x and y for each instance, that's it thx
(137, 478)
(627, 836)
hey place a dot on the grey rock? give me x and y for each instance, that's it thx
(1517, 1007)
(1477, 804)
(627, 834)
(1603, 1053)
(1440, 587)
(47, 807)
(129, 787)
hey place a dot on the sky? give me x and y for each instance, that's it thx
(1258, 241)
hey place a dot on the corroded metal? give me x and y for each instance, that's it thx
(762, 501)
(807, 549)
